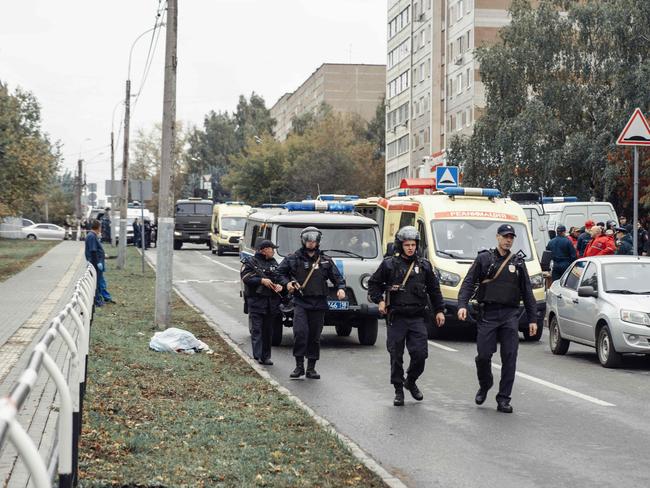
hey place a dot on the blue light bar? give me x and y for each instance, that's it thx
(319, 206)
(335, 197)
(402, 193)
(472, 192)
(559, 199)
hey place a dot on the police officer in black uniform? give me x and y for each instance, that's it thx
(503, 281)
(401, 286)
(260, 277)
(305, 274)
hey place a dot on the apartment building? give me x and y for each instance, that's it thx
(347, 88)
(433, 90)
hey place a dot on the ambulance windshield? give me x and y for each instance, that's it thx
(463, 239)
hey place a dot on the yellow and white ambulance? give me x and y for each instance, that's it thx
(454, 225)
(228, 220)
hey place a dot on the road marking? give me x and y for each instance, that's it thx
(444, 348)
(217, 262)
(563, 389)
(206, 281)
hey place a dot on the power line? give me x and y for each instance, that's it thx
(153, 44)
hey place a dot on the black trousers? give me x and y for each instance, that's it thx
(499, 324)
(412, 332)
(261, 329)
(307, 328)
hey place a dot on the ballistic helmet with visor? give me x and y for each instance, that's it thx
(406, 233)
(507, 229)
(310, 234)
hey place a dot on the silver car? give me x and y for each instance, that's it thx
(43, 231)
(602, 302)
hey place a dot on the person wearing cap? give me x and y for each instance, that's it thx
(305, 274)
(562, 252)
(503, 281)
(584, 238)
(624, 243)
(262, 294)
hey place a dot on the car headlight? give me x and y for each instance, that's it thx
(447, 277)
(365, 279)
(634, 317)
(537, 281)
(176, 233)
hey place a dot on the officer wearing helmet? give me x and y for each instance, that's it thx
(503, 281)
(305, 274)
(402, 286)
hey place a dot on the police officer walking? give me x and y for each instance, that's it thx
(402, 286)
(305, 274)
(562, 252)
(503, 281)
(260, 277)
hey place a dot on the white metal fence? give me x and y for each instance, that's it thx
(72, 324)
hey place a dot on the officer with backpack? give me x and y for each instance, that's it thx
(305, 274)
(403, 286)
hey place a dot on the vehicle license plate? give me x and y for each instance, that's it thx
(337, 305)
(194, 237)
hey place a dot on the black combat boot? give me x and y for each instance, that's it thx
(300, 368)
(311, 371)
(410, 385)
(399, 396)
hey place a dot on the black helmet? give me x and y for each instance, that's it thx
(310, 234)
(406, 233)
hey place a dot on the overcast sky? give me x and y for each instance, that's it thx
(73, 55)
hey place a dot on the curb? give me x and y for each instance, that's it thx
(390, 480)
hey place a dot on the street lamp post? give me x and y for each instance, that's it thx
(121, 253)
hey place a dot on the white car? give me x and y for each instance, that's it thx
(602, 302)
(44, 231)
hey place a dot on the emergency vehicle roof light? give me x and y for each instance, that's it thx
(233, 202)
(331, 197)
(472, 192)
(559, 199)
(319, 206)
(402, 193)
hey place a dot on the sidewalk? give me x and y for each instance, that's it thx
(28, 301)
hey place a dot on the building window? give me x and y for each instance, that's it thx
(415, 72)
(398, 147)
(416, 108)
(460, 9)
(428, 67)
(468, 79)
(468, 111)
(459, 124)
(423, 107)
(459, 84)
(427, 136)
(464, 122)
(400, 21)
(450, 88)
(398, 85)
(428, 4)
(460, 45)
(468, 44)
(422, 72)
(395, 178)
(396, 117)
(416, 141)
(422, 38)
(399, 53)
(421, 137)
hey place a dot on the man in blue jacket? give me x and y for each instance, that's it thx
(95, 255)
(562, 251)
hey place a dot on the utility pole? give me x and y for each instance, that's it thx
(124, 197)
(112, 202)
(165, 237)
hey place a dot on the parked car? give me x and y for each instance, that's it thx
(43, 231)
(602, 302)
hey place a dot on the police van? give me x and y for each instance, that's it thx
(351, 240)
(455, 225)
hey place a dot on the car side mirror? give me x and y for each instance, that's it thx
(545, 262)
(587, 291)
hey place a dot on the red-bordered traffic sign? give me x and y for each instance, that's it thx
(636, 132)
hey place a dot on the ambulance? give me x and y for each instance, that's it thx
(228, 221)
(455, 225)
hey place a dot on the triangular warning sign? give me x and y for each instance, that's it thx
(636, 132)
(447, 177)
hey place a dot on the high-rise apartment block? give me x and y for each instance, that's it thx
(433, 90)
(346, 88)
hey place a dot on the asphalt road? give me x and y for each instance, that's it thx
(575, 423)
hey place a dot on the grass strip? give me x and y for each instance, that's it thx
(160, 419)
(18, 254)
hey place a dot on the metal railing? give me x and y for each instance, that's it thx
(72, 324)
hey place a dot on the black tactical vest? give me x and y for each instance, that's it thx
(317, 285)
(266, 268)
(504, 290)
(412, 298)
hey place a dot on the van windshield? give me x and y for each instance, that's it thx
(233, 223)
(193, 209)
(463, 239)
(351, 242)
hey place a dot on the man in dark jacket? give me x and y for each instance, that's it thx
(624, 242)
(503, 281)
(402, 286)
(584, 238)
(305, 274)
(562, 252)
(137, 233)
(260, 277)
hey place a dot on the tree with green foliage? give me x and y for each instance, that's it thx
(560, 86)
(28, 160)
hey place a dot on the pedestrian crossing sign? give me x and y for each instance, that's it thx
(446, 176)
